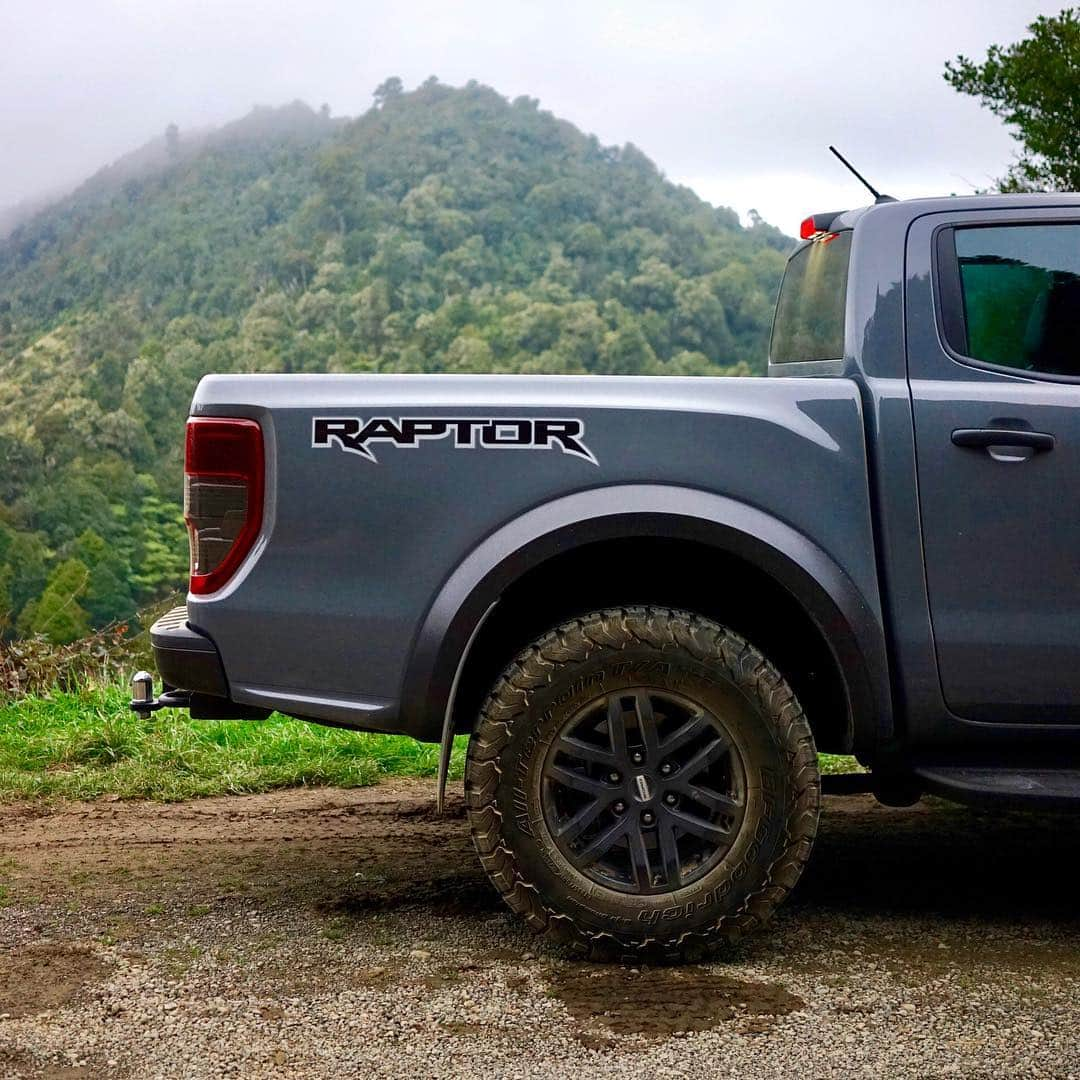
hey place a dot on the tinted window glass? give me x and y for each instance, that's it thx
(809, 323)
(1020, 286)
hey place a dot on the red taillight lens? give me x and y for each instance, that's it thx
(223, 496)
(817, 225)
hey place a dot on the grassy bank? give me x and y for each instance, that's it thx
(86, 744)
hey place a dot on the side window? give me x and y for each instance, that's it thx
(1011, 296)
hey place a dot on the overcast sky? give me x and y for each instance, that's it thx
(736, 98)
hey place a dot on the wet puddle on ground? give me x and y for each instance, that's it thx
(656, 1003)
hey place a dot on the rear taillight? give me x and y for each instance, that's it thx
(223, 496)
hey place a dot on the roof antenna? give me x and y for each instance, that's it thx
(878, 197)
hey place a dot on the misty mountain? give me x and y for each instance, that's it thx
(14, 215)
(444, 230)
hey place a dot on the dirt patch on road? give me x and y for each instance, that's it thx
(659, 1002)
(312, 933)
(279, 843)
(25, 1067)
(44, 976)
(454, 894)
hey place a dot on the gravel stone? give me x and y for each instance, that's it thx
(327, 933)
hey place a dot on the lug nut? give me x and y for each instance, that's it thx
(671, 798)
(637, 757)
(614, 777)
(647, 818)
(619, 807)
(665, 769)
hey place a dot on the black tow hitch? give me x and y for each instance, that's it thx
(143, 702)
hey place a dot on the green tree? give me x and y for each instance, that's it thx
(388, 90)
(625, 350)
(27, 562)
(1034, 86)
(468, 353)
(163, 566)
(57, 613)
(7, 610)
(108, 595)
(22, 456)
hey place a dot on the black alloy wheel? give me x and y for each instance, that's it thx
(642, 784)
(644, 791)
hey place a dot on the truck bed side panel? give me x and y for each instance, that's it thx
(354, 550)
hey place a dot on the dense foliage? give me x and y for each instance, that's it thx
(444, 230)
(1034, 86)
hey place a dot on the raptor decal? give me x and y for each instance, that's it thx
(355, 435)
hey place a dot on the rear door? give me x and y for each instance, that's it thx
(994, 368)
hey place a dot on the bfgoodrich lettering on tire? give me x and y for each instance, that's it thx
(642, 782)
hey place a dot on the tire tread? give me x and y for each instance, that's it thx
(708, 643)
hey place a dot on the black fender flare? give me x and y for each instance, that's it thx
(849, 621)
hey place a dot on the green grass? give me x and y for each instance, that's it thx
(838, 763)
(88, 744)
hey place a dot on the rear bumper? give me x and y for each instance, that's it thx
(192, 674)
(185, 658)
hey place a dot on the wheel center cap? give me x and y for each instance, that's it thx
(643, 788)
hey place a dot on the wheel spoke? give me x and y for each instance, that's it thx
(669, 853)
(685, 733)
(644, 790)
(601, 843)
(707, 830)
(646, 722)
(713, 800)
(616, 720)
(577, 781)
(580, 750)
(571, 829)
(639, 859)
(705, 757)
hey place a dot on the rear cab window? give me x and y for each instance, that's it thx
(809, 321)
(1010, 296)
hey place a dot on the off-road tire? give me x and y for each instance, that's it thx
(669, 651)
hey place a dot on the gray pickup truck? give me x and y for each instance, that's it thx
(650, 602)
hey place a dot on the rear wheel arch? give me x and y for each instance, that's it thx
(649, 543)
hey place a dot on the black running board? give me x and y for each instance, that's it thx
(1023, 787)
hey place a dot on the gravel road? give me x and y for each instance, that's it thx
(327, 933)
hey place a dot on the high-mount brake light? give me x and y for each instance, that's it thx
(223, 496)
(817, 225)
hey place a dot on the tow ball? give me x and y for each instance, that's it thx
(143, 702)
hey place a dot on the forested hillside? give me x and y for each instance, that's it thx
(444, 230)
